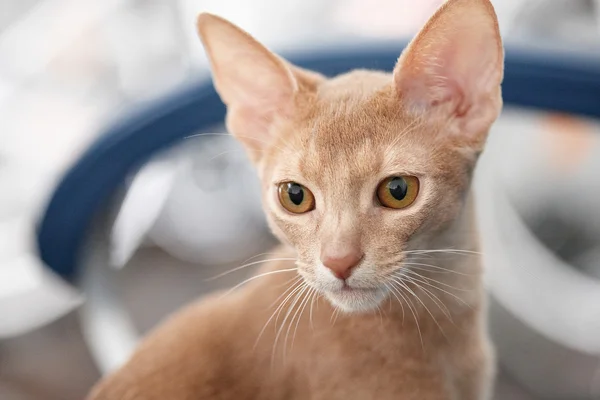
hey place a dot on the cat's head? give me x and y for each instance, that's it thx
(360, 168)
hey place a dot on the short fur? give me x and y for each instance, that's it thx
(409, 323)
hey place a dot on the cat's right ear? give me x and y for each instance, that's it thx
(454, 67)
(256, 85)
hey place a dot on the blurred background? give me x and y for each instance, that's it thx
(70, 68)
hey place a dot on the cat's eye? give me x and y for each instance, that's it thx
(398, 191)
(295, 198)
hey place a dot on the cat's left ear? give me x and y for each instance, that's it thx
(256, 85)
(453, 69)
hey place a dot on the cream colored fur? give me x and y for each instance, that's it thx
(409, 323)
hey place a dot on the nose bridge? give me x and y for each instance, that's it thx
(340, 228)
(340, 244)
(340, 234)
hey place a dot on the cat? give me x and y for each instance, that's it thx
(365, 178)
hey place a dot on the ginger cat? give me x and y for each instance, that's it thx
(366, 178)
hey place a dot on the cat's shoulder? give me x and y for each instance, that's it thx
(185, 357)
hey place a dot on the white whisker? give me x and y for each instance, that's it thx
(302, 307)
(312, 301)
(435, 267)
(285, 318)
(380, 316)
(294, 282)
(436, 300)
(294, 288)
(246, 266)
(269, 253)
(279, 271)
(225, 152)
(447, 251)
(334, 315)
(391, 289)
(440, 289)
(400, 282)
(288, 297)
(410, 271)
(413, 312)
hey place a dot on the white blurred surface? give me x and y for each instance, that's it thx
(536, 174)
(68, 67)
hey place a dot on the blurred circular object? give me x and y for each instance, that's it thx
(213, 213)
(541, 231)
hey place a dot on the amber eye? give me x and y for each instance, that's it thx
(398, 191)
(296, 198)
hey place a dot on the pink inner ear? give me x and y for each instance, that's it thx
(454, 67)
(457, 70)
(454, 60)
(452, 80)
(256, 89)
(254, 81)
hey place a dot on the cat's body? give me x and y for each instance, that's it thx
(214, 349)
(366, 177)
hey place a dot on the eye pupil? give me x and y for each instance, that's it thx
(398, 188)
(296, 193)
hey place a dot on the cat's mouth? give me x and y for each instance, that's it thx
(352, 295)
(347, 288)
(356, 299)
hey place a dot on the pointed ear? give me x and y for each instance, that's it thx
(256, 85)
(454, 66)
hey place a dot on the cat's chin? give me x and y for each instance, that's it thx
(356, 300)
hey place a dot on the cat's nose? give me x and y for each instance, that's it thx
(342, 264)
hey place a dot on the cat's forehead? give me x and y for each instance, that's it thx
(354, 129)
(361, 84)
(351, 111)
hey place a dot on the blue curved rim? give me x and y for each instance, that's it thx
(532, 79)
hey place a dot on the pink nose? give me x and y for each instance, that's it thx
(341, 264)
